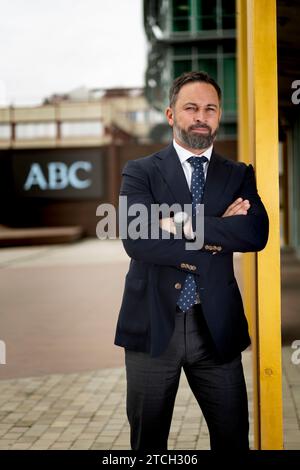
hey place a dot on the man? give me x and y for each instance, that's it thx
(183, 308)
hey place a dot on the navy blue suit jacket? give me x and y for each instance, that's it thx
(147, 315)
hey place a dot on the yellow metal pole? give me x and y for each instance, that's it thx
(246, 154)
(261, 24)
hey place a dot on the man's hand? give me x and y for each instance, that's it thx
(167, 224)
(238, 207)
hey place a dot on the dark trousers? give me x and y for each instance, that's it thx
(219, 388)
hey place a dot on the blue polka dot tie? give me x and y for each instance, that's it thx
(188, 295)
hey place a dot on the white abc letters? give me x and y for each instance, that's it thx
(59, 176)
(74, 180)
(35, 178)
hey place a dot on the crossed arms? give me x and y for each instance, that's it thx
(243, 226)
(238, 207)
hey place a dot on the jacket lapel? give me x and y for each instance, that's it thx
(215, 185)
(216, 180)
(169, 165)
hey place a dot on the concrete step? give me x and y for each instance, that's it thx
(39, 235)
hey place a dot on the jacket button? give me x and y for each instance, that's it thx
(177, 285)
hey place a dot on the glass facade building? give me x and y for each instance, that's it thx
(187, 35)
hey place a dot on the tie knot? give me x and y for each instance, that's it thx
(197, 162)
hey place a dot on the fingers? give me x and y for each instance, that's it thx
(238, 207)
(230, 209)
(235, 203)
(188, 230)
(167, 224)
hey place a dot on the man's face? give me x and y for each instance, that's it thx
(195, 116)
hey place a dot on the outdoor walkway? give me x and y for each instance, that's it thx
(72, 398)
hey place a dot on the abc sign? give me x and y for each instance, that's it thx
(59, 176)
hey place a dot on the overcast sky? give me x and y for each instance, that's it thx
(58, 45)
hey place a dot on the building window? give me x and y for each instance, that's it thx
(202, 15)
(229, 84)
(36, 130)
(206, 14)
(182, 12)
(144, 117)
(181, 66)
(5, 131)
(218, 60)
(81, 129)
(227, 131)
(228, 14)
(210, 66)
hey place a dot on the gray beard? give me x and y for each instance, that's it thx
(195, 141)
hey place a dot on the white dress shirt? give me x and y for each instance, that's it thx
(184, 154)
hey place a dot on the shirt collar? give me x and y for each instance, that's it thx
(184, 154)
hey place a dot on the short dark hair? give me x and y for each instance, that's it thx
(189, 77)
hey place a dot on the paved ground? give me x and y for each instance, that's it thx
(64, 383)
(85, 411)
(59, 307)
